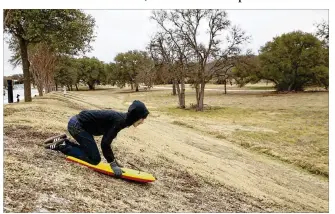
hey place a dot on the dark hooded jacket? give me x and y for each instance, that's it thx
(109, 122)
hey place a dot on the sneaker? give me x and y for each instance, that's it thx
(58, 145)
(55, 138)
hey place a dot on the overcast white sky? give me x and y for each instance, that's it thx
(122, 30)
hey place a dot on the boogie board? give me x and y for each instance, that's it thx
(128, 174)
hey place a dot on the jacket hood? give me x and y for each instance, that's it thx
(136, 111)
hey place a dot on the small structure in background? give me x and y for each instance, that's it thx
(17, 98)
(64, 90)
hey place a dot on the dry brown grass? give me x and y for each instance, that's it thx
(290, 127)
(197, 171)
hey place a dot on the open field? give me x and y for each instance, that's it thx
(248, 152)
(291, 127)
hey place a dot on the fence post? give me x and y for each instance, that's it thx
(10, 91)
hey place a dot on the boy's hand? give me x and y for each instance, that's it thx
(116, 169)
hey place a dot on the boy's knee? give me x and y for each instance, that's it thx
(95, 160)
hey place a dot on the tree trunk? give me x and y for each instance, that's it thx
(225, 86)
(38, 81)
(40, 89)
(25, 68)
(197, 92)
(200, 106)
(90, 86)
(179, 94)
(77, 87)
(174, 92)
(48, 88)
(136, 87)
(132, 86)
(182, 93)
(56, 86)
(71, 87)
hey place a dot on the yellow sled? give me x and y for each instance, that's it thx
(105, 168)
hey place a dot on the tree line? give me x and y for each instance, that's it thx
(48, 43)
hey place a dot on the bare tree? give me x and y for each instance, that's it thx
(42, 61)
(184, 27)
(163, 59)
(174, 51)
(171, 56)
(145, 68)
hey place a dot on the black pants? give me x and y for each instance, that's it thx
(87, 149)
